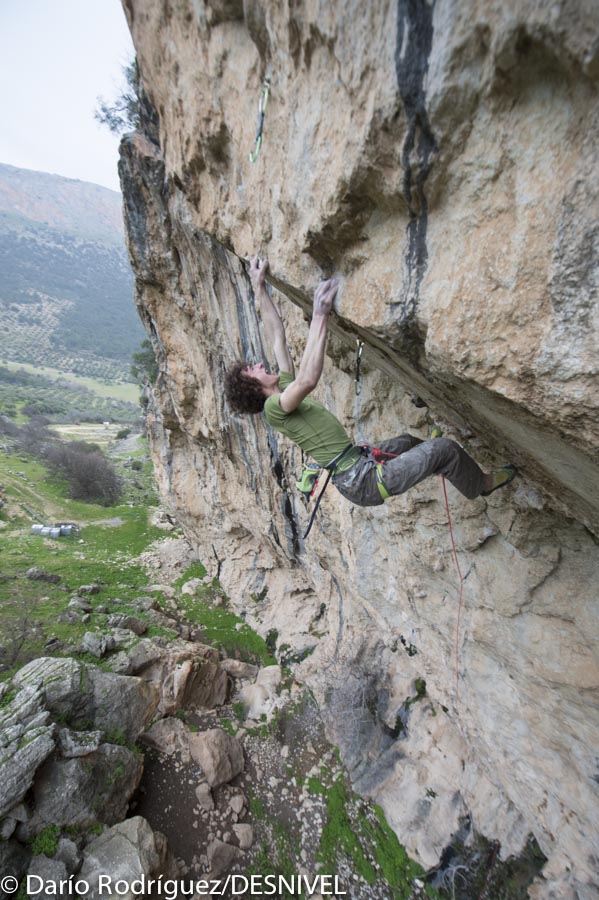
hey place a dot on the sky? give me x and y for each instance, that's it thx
(56, 58)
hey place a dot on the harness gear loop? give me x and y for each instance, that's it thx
(360, 346)
(380, 482)
(379, 457)
(331, 471)
(253, 155)
(308, 480)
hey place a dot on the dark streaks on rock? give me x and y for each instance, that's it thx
(414, 42)
(287, 506)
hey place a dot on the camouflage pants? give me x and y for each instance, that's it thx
(414, 461)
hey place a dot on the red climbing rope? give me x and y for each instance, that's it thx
(378, 455)
(489, 870)
(461, 577)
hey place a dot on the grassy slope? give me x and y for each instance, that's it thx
(103, 552)
(125, 390)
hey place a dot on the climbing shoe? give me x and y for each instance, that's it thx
(436, 431)
(308, 479)
(501, 477)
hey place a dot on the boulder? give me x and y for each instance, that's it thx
(89, 589)
(260, 697)
(68, 853)
(120, 702)
(143, 654)
(77, 743)
(26, 741)
(270, 677)
(7, 828)
(244, 834)
(86, 790)
(186, 674)
(219, 754)
(19, 813)
(123, 637)
(119, 663)
(127, 852)
(168, 736)
(14, 861)
(237, 803)
(131, 623)
(190, 587)
(257, 700)
(146, 603)
(204, 795)
(221, 857)
(81, 604)
(44, 876)
(36, 573)
(89, 697)
(207, 686)
(238, 669)
(70, 616)
(97, 644)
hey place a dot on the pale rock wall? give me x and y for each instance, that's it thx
(441, 160)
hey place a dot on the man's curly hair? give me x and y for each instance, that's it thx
(245, 394)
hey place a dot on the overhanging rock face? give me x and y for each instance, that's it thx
(441, 160)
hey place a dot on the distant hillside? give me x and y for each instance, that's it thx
(66, 288)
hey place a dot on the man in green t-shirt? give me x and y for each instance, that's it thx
(285, 400)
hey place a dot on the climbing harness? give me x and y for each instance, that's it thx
(332, 468)
(253, 155)
(360, 346)
(379, 458)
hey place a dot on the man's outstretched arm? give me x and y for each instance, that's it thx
(274, 330)
(312, 362)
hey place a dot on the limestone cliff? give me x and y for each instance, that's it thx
(441, 158)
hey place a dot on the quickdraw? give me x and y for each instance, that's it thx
(253, 155)
(360, 347)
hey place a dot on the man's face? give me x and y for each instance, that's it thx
(258, 371)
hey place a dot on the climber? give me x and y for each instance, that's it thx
(358, 472)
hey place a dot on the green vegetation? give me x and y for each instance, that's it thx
(113, 390)
(220, 624)
(239, 710)
(315, 786)
(60, 399)
(30, 611)
(46, 841)
(124, 114)
(338, 836)
(144, 367)
(360, 833)
(67, 299)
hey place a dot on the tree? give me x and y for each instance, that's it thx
(125, 113)
(144, 367)
(89, 475)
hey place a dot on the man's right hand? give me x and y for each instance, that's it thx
(258, 271)
(324, 295)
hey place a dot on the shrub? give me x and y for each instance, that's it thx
(88, 473)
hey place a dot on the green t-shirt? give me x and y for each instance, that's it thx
(316, 430)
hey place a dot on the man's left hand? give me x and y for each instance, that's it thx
(324, 296)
